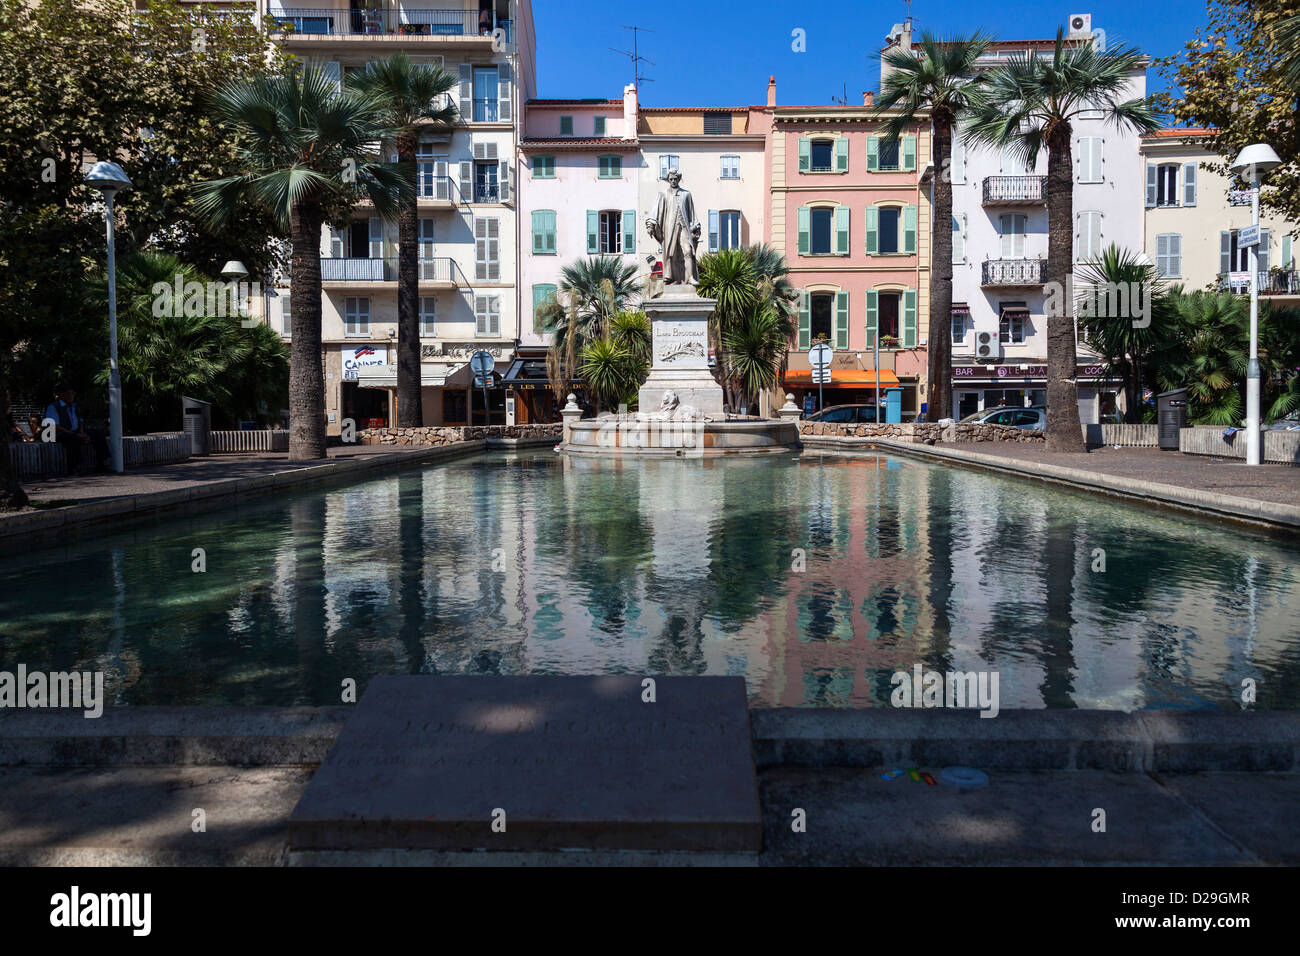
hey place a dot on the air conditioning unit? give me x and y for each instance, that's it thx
(988, 348)
(1080, 25)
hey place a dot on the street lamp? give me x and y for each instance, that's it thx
(108, 178)
(1252, 164)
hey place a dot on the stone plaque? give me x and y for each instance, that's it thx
(537, 763)
(681, 344)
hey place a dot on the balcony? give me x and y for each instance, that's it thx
(1280, 282)
(1013, 273)
(1014, 190)
(436, 272)
(405, 22)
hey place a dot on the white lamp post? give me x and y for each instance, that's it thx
(108, 178)
(1252, 164)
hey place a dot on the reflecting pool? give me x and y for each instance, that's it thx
(816, 577)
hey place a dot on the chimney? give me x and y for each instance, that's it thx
(868, 98)
(771, 91)
(629, 111)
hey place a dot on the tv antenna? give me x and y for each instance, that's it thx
(842, 100)
(635, 56)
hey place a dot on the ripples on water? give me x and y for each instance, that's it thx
(815, 578)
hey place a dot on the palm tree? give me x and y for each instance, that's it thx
(755, 348)
(1209, 357)
(939, 80)
(774, 279)
(307, 152)
(595, 290)
(414, 97)
(1028, 104)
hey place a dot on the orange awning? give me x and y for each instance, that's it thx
(845, 378)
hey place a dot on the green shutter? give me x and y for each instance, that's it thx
(805, 321)
(909, 152)
(873, 154)
(541, 292)
(549, 224)
(629, 231)
(539, 220)
(593, 231)
(842, 154)
(805, 230)
(805, 154)
(909, 229)
(842, 230)
(873, 312)
(873, 230)
(909, 319)
(841, 320)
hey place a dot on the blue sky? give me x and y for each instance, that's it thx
(732, 46)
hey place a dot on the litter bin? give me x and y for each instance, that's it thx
(1171, 414)
(197, 424)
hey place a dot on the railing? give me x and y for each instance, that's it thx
(38, 460)
(1014, 189)
(487, 192)
(358, 270)
(431, 186)
(486, 110)
(1283, 282)
(442, 269)
(317, 21)
(1014, 272)
(262, 439)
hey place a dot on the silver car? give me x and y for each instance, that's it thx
(1028, 418)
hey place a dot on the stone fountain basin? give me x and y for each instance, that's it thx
(674, 439)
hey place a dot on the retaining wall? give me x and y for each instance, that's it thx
(450, 435)
(923, 433)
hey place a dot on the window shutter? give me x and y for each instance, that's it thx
(713, 230)
(873, 312)
(1189, 184)
(842, 154)
(1286, 252)
(957, 162)
(466, 92)
(1261, 263)
(1225, 252)
(629, 232)
(503, 92)
(873, 154)
(593, 231)
(1007, 225)
(1152, 172)
(550, 231)
(959, 238)
(663, 167)
(539, 230)
(376, 238)
(909, 153)
(909, 319)
(1092, 153)
(805, 321)
(842, 230)
(909, 229)
(1175, 255)
(805, 154)
(872, 228)
(426, 238)
(336, 243)
(805, 230)
(503, 179)
(841, 320)
(467, 181)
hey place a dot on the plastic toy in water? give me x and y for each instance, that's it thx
(964, 778)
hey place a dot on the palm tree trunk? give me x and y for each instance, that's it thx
(410, 412)
(306, 378)
(12, 496)
(1133, 401)
(939, 390)
(1063, 431)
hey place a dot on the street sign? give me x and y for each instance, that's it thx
(1247, 236)
(820, 355)
(481, 362)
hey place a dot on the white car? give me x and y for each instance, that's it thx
(1034, 419)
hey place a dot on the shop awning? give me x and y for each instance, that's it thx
(845, 378)
(431, 376)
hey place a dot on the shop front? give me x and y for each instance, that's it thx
(977, 388)
(854, 381)
(528, 389)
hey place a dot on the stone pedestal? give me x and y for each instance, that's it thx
(789, 412)
(570, 413)
(680, 323)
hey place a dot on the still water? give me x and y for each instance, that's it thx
(815, 577)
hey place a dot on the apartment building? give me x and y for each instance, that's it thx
(999, 321)
(468, 225)
(1192, 217)
(852, 216)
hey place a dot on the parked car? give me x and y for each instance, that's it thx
(1034, 418)
(846, 415)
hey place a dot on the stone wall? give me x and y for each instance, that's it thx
(923, 433)
(450, 435)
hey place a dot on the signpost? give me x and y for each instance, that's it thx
(819, 358)
(481, 364)
(1247, 236)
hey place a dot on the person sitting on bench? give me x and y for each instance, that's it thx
(71, 431)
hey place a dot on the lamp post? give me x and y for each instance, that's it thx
(108, 178)
(1252, 164)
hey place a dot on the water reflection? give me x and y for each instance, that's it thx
(814, 577)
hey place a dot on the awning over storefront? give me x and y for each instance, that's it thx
(431, 376)
(845, 378)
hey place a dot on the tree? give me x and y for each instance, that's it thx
(939, 81)
(1027, 104)
(1240, 77)
(595, 289)
(415, 98)
(614, 365)
(755, 348)
(307, 154)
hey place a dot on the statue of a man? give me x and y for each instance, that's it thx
(675, 227)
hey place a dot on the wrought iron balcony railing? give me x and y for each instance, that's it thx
(433, 269)
(407, 21)
(1281, 282)
(1014, 189)
(1014, 272)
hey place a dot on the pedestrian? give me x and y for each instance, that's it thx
(70, 429)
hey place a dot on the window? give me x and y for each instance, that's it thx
(821, 320)
(611, 232)
(286, 314)
(487, 314)
(959, 326)
(1012, 229)
(888, 155)
(666, 162)
(822, 152)
(820, 232)
(1012, 163)
(887, 318)
(730, 167)
(485, 182)
(1090, 112)
(1090, 164)
(566, 125)
(1167, 184)
(1169, 255)
(486, 86)
(598, 126)
(889, 217)
(728, 231)
(1088, 236)
(959, 238)
(543, 232)
(717, 124)
(1234, 258)
(431, 172)
(611, 167)
(425, 253)
(356, 315)
(541, 292)
(543, 167)
(487, 250)
(428, 316)
(1011, 328)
